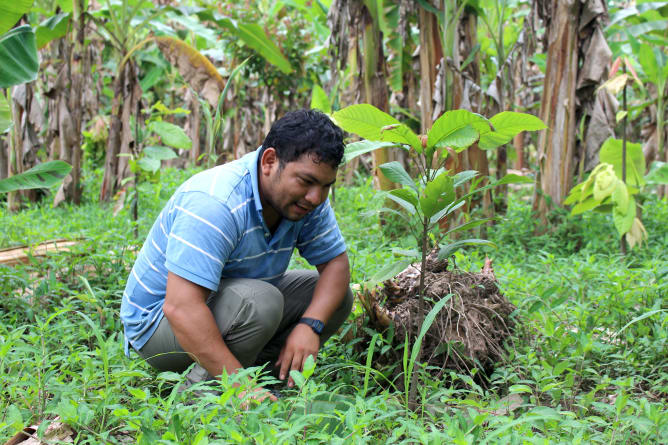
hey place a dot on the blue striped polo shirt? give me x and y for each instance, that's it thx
(211, 229)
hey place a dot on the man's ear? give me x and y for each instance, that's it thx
(268, 161)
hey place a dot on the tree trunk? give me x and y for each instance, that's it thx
(431, 53)
(556, 145)
(127, 93)
(375, 87)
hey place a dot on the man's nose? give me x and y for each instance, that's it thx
(314, 196)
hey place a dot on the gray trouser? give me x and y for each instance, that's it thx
(254, 318)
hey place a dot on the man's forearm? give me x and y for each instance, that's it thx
(331, 288)
(195, 328)
(197, 333)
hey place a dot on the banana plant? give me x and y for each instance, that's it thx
(18, 51)
(431, 196)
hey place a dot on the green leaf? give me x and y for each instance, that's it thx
(389, 271)
(451, 125)
(395, 172)
(406, 205)
(309, 367)
(469, 225)
(18, 52)
(171, 135)
(438, 194)
(449, 249)
(5, 114)
(658, 172)
(41, 176)
(426, 324)
(512, 178)
(587, 204)
(459, 139)
(620, 195)
(371, 123)
(408, 196)
(52, 28)
(648, 62)
(11, 12)
(298, 378)
(365, 146)
(149, 164)
(410, 253)
(506, 125)
(254, 36)
(623, 217)
(447, 211)
(464, 176)
(159, 152)
(611, 153)
(319, 100)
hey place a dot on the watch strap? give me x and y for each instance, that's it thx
(315, 324)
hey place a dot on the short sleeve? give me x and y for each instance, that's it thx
(201, 238)
(320, 239)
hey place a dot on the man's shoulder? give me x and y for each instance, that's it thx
(228, 183)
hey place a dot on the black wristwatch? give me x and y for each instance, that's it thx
(315, 324)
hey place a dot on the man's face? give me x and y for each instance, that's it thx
(298, 187)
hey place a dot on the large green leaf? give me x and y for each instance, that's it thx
(371, 123)
(18, 53)
(41, 176)
(159, 152)
(395, 172)
(171, 135)
(360, 147)
(438, 194)
(460, 139)
(320, 100)
(52, 28)
(450, 128)
(512, 178)
(405, 198)
(149, 164)
(11, 12)
(5, 114)
(585, 205)
(506, 125)
(389, 271)
(658, 173)
(255, 37)
(611, 153)
(623, 216)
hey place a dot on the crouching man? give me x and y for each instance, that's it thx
(210, 283)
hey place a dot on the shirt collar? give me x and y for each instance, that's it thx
(253, 168)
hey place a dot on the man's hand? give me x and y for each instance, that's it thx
(301, 343)
(257, 394)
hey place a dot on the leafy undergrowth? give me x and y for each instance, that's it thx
(587, 363)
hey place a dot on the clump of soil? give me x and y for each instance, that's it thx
(468, 332)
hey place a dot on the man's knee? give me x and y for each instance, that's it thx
(251, 305)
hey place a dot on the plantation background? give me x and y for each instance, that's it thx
(127, 92)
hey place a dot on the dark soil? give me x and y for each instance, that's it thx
(469, 332)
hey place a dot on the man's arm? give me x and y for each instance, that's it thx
(327, 297)
(195, 328)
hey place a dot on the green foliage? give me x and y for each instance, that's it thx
(587, 362)
(18, 51)
(5, 114)
(52, 28)
(43, 175)
(604, 189)
(11, 12)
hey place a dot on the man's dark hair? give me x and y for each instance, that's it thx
(306, 131)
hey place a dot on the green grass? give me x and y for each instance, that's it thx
(587, 363)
